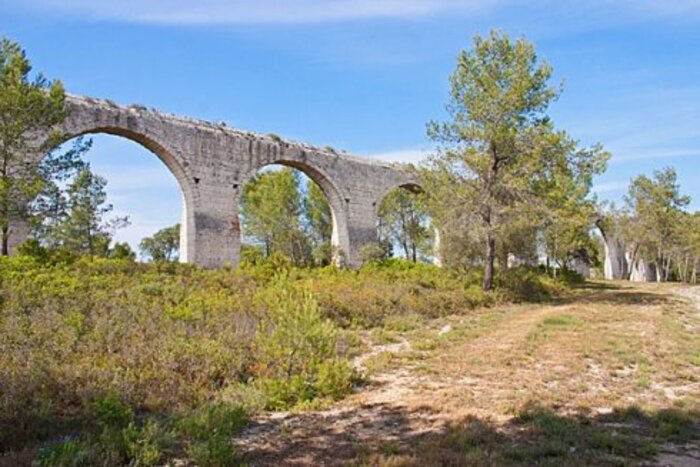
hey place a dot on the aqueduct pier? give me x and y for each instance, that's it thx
(212, 164)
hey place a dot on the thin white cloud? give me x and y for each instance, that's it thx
(632, 155)
(207, 12)
(257, 12)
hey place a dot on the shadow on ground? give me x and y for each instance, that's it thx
(537, 436)
(617, 294)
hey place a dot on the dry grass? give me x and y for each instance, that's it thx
(608, 376)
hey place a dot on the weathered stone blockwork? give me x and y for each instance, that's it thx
(212, 163)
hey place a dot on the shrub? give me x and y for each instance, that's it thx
(523, 284)
(371, 252)
(214, 451)
(143, 443)
(209, 431)
(212, 419)
(334, 379)
(70, 453)
(121, 439)
(295, 348)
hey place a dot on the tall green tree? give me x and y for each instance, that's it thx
(271, 212)
(319, 223)
(569, 211)
(498, 147)
(28, 106)
(404, 221)
(656, 209)
(164, 245)
(690, 261)
(49, 206)
(84, 228)
(318, 214)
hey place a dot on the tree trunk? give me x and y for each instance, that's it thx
(633, 260)
(5, 216)
(406, 250)
(5, 241)
(490, 259)
(503, 261)
(684, 273)
(667, 269)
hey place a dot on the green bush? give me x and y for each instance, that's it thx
(143, 444)
(215, 451)
(209, 431)
(296, 349)
(121, 439)
(71, 453)
(212, 419)
(523, 284)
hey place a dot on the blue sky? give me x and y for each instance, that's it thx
(365, 75)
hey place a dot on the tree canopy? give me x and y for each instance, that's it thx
(82, 226)
(29, 105)
(501, 163)
(163, 245)
(656, 219)
(404, 221)
(281, 214)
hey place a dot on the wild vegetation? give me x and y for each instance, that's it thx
(113, 353)
(108, 361)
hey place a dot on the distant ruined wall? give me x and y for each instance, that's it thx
(615, 266)
(619, 264)
(615, 263)
(212, 163)
(641, 270)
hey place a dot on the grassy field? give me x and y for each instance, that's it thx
(115, 363)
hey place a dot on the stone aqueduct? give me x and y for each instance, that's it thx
(213, 162)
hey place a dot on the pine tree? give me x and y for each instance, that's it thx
(83, 229)
(500, 158)
(28, 107)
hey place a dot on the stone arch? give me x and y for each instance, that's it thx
(413, 187)
(336, 200)
(187, 225)
(210, 161)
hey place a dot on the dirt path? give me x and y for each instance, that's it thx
(527, 353)
(396, 408)
(691, 293)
